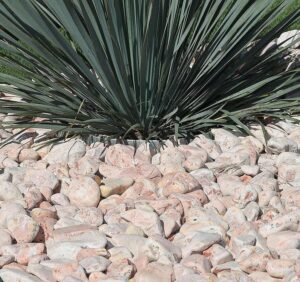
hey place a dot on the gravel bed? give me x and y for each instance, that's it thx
(222, 209)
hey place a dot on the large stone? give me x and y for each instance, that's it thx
(288, 221)
(92, 216)
(133, 242)
(225, 139)
(148, 221)
(218, 255)
(41, 271)
(5, 238)
(11, 151)
(204, 176)
(86, 166)
(115, 186)
(199, 263)
(280, 267)
(96, 263)
(283, 240)
(155, 272)
(211, 147)
(67, 152)
(10, 193)
(84, 192)
(9, 275)
(124, 156)
(196, 242)
(289, 173)
(229, 184)
(41, 178)
(23, 252)
(282, 144)
(180, 182)
(28, 154)
(23, 228)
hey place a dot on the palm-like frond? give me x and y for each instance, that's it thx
(144, 68)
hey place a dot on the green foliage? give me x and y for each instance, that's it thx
(123, 68)
(293, 7)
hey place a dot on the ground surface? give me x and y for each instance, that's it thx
(226, 209)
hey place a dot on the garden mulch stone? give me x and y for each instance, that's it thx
(226, 209)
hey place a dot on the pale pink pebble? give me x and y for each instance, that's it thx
(41, 176)
(122, 268)
(59, 170)
(200, 195)
(94, 263)
(278, 268)
(161, 205)
(46, 229)
(39, 214)
(91, 252)
(86, 166)
(259, 276)
(45, 205)
(124, 156)
(218, 254)
(28, 154)
(109, 170)
(181, 182)
(118, 253)
(23, 252)
(186, 202)
(42, 272)
(143, 170)
(46, 192)
(142, 189)
(60, 199)
(33, 198)
(4, 260)
(199, 263)
(84, 192)
(71, 268)
(148, 221)
(155, 272)
(11, 150)
(37, 258)
(112, 186)
(14, 265)
(255, 262)
(193, 152)
(110, 203)
(23, 228)
(97, 277)
(210, 146)
(171, 221)
(90, 215)
(141, 262)
(5, 238)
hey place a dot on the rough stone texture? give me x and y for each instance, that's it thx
(226, 209)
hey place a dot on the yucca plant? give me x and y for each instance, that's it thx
(145, 69)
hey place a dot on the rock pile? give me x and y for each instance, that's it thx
(226, 209)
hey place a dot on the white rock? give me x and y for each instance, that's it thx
(84, 192)
(9, 275)
(23, 228)
(280, 267)
(115, 186)
(278, 145)
(288, 37)
(67, 152)
(97, 263)
(225, 139)
(251, 170)
(10, 193)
